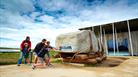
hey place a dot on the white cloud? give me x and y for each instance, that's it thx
(34, 14)
(16, 6)
(77, 14)
(48, 19)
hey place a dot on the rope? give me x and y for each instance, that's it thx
(74, 55)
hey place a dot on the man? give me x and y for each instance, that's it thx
(37, 49)
(27, 40)
(23, 49)
(41, 56)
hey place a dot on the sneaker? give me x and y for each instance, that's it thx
(33, 67)
(29, 64)
(49, 65)
(18, 64)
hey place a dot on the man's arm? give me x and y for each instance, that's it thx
(29, 46)
(53, 48)
(21, 45)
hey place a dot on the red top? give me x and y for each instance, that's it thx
(22, 44)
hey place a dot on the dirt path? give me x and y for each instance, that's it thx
(112, 67)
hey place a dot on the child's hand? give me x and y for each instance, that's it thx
(21, 49)
(56, 49)
(29, 50)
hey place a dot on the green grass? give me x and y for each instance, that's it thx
(54, 60)
(7, 58)
(8, 48)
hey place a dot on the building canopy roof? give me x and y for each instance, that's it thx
(121, 26)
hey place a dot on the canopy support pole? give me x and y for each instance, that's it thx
(101, 34)
(105, 43)
(130, 38)
(116, 40)
(113, 38)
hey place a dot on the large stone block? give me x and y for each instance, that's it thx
(82, 41)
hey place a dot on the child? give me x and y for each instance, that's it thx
(47, 49)
(24, 53)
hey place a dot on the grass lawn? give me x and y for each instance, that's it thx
(12, 57)
(8, 58)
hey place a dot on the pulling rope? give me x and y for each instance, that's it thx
(74, 55)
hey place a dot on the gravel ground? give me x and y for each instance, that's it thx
(112, 67)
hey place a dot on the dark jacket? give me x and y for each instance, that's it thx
(38, 47)
(44, 50)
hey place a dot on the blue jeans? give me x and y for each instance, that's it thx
(20, 58)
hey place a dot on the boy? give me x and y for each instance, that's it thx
(26, 53)
(47, 49)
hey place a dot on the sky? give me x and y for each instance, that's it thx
(49, 18)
